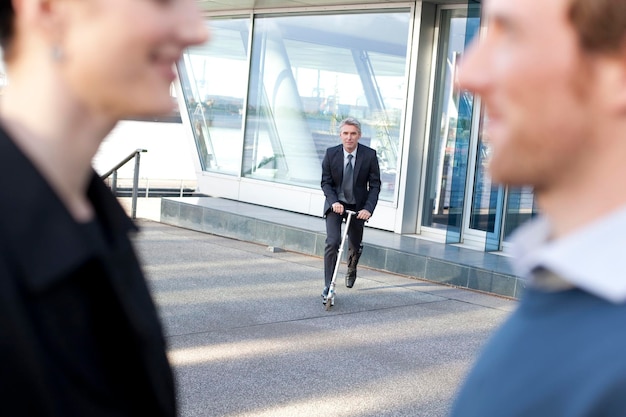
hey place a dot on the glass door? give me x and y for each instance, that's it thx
(486, 201)
(495, 211)
(452, 128)
(461, 202)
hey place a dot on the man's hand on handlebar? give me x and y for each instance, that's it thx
(363, 215)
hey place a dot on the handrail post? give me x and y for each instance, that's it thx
(114, 183)
(113, 172)
(136, 183)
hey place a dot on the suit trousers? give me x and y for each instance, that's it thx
(333, 240)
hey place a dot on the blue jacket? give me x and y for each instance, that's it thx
(561, 354)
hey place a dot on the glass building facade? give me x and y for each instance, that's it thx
(263, 99)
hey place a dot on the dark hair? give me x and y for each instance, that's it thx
(600, 24)
(7, 17)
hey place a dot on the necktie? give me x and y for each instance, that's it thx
(347, 181)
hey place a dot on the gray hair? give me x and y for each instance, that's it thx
(352, 122)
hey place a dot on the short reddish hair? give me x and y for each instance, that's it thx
(600, 24)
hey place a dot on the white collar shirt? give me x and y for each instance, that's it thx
(345, 157)
(591, 258)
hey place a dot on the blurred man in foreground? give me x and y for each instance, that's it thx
(552, 75)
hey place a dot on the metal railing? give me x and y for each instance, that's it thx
(113, 173)
(164, 187)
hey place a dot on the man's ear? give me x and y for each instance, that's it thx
(620, 81)
(611, 72)
(621, 87)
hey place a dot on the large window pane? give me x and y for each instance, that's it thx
(214, 78)
(309, 72)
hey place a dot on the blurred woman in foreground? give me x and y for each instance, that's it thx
(79, 333)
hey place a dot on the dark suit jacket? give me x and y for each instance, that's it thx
(366, 177)
(79, 332)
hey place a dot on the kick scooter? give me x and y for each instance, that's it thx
(330, 298)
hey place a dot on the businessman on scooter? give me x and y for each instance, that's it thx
(350, 181)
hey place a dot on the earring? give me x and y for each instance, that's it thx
(57, 53)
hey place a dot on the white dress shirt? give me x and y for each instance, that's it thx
(592, 258)
(345, 157)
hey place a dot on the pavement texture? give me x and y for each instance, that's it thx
(248, 334)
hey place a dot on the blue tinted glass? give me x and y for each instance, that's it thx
(448, 153)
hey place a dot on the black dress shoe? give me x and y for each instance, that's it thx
(350, 278)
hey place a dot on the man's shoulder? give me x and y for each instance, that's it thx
(334, 148)
(365, 150)
(333, 151)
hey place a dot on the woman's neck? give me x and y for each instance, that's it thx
(58, 139)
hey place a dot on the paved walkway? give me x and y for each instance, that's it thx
(248, 334)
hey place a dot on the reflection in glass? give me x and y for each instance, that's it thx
(3, 81)
(307, 74)
(485, 196)
(3, 75)
(452, 124)
(213, 77)
(489, 203)
(520, 207)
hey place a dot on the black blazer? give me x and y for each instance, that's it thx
(366, 177)
(79, 332)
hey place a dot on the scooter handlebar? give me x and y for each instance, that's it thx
(352, 213)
